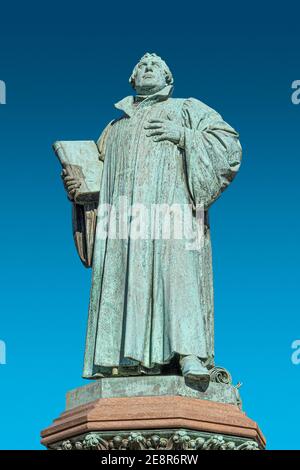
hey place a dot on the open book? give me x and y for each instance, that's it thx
(81, 159)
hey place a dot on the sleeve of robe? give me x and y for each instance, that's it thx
(212, 152)
(84, 217)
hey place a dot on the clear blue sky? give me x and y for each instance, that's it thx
(64, 65)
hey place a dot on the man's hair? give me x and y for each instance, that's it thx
(166, 70)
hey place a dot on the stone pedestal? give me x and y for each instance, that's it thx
(162, 412)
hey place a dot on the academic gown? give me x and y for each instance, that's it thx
(153, 298)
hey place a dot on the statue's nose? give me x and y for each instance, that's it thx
(148, 68)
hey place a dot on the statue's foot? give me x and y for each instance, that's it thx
(193, 369)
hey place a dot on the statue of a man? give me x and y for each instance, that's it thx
(151, 305)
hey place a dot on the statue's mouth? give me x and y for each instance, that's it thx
(148, 75)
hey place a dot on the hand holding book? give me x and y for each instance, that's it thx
(82, 169)
(72, 184)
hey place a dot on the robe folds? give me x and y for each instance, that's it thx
(153, 298)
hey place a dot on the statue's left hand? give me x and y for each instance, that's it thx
(164, 129)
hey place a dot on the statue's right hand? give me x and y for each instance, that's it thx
(71, 184)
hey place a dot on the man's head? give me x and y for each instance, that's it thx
(150, 75)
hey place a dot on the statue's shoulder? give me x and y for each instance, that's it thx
(103, 138)
(116, 120)
(176, 101)
(193, 104)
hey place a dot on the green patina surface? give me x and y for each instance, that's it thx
(152, 299)
(156, 439)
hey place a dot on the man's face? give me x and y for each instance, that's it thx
(150, 76)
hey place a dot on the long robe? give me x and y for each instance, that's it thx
(152, 299)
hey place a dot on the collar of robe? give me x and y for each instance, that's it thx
(129, 106)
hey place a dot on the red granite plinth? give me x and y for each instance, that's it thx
(153, 413)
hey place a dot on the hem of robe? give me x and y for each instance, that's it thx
(102, 369)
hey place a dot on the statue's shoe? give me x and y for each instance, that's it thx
(193, 369)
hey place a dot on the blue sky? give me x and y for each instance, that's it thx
(64, 66)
